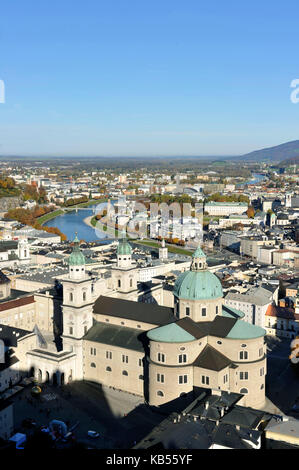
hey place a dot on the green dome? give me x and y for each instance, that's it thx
(124, 248)
(198, 285)
(76, 258)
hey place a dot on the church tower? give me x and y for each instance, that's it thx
(124, 275)
(23, 250)
(124, 254)
(77, 305)
(288, 200)
(163, 251)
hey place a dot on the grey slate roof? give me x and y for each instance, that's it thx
(137, 311)
(255, 295)
(114, 335)
(10, 334)
(211, 359)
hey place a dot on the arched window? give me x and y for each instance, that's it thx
(84, 296)
(108, 369)
(182, 358)
(243, 391)
(124, 372)
(92, 364)
(131, 282)
(160, 393)
(118, 283)
(243, 355)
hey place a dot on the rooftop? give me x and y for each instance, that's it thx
(127, 338)
(137, 311)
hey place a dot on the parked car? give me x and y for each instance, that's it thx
(93, 434)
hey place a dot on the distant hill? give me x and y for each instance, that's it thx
(279, 153)
(289, 161)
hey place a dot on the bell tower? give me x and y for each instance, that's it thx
(23, 250)
(163, 251)
(77, 305)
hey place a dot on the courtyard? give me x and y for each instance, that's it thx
(119, 417)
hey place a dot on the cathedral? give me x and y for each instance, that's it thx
(157, 352)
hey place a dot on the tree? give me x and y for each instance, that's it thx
(250, 212)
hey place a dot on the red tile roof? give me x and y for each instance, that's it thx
(16, 303)
(282, 312)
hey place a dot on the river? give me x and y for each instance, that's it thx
(73, 221)
(256, 178)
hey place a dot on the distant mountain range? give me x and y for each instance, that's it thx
(286, 153)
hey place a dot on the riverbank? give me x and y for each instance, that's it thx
(91, 222)
(88, 220)
(51, 215)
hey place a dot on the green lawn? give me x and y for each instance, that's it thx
(51, 215)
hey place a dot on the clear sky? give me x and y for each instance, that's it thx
(147, 77)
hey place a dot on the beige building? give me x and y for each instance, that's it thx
(156, 352)
(225, 208)
(250, 246)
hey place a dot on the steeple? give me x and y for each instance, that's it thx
(163, 250)
(124, 252)
(76, 261)
(199, 260)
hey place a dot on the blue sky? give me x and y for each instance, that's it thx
(126, 77)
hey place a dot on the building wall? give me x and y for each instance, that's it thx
(95, 365)
(171, 369)
(196, 309)
(23, 316)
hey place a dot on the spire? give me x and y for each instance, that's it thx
(76, 239)
(76, 257)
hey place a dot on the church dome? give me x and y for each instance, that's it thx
(76, 258)
(198, 283)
